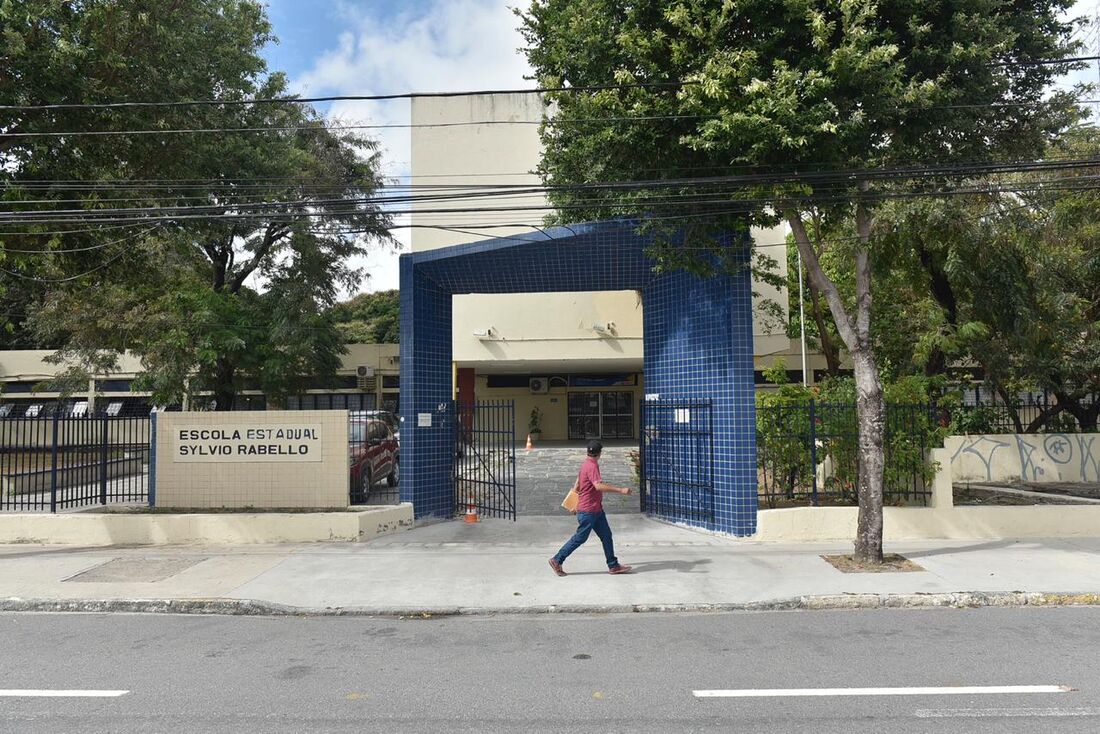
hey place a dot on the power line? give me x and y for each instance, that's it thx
(823, 181)
(428, 95)
(329, 128)
(80, 249)
(554, 121)
(343, 97)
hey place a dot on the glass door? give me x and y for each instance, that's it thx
(601, 415)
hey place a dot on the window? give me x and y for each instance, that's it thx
(378, 431)
(601, 415)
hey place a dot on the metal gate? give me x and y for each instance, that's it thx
(677, 459)
(485, 458)
(60, 462)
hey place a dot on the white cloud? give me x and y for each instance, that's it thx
(437, 46)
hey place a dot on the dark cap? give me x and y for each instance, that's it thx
(595, 448)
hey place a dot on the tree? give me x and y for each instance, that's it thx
(1034, 293)
(233, 245)
(782, 88)
(370, 318)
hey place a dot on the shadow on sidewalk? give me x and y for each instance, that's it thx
(959, 550)
(678, 566)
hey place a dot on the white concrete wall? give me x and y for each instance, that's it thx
(941, 520)
(132, 528)
(534, 328)
(1052, 457)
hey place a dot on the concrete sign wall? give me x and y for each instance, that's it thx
(259, 459)
(247, 443)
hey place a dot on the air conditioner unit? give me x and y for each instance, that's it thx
(365, 379)
(539, 385)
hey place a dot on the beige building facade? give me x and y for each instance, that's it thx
(368, 379)
(575, 357)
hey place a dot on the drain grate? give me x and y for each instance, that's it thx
(135, 570)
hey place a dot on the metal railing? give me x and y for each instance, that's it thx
(983, 410)
(677, 459)
(61, 462)
(485, 458)
(808, 453)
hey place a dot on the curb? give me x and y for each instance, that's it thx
(249, 607)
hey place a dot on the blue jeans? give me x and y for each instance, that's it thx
(586, 523)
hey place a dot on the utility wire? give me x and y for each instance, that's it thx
(427, 95)
(553, 121)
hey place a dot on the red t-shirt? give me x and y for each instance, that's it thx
(589, 499)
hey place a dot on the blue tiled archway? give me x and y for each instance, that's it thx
(697, 342)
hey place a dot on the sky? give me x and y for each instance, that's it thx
(334, 47)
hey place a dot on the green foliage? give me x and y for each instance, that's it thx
(208, 304)
(775, 85)
(786, 439)
(534, 422)
(370, 318)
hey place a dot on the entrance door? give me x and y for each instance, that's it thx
(603, 414)
(485, 458)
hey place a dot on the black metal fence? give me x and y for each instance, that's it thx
(808, 453)
(984, 410)
(485, 458)
(56, 463)
(677, 459)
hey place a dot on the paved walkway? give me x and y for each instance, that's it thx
(501, 566)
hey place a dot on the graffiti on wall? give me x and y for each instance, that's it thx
(1039, 458)
(983, 447)
(1057, 449)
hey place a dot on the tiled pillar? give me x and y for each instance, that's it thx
(426, 373)
(698, 345)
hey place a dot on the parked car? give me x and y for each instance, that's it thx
(373, 455)
(385, 416)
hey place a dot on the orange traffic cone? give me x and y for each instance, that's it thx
(530, 443)
(471, 513)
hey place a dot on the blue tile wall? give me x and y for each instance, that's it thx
(426, 452)
(698, 345)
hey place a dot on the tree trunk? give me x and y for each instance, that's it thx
(225, 393)
(944, 294)
(870, 407)
(828, 347)
(871, 414)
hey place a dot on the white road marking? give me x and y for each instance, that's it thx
(1002, 713)
(912, 691)
(57, 693)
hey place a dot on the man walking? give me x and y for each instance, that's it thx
(590, 515)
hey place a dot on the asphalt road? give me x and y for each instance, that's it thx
(630, 673)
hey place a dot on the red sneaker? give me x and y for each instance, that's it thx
(619, 569)
(557, 568)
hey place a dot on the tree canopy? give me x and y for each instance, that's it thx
(213, 256)
(816, 104)
(370, 318)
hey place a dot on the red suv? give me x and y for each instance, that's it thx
(373, 454)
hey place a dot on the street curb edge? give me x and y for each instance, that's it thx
(251, 607)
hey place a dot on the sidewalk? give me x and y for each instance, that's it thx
(500, 567)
